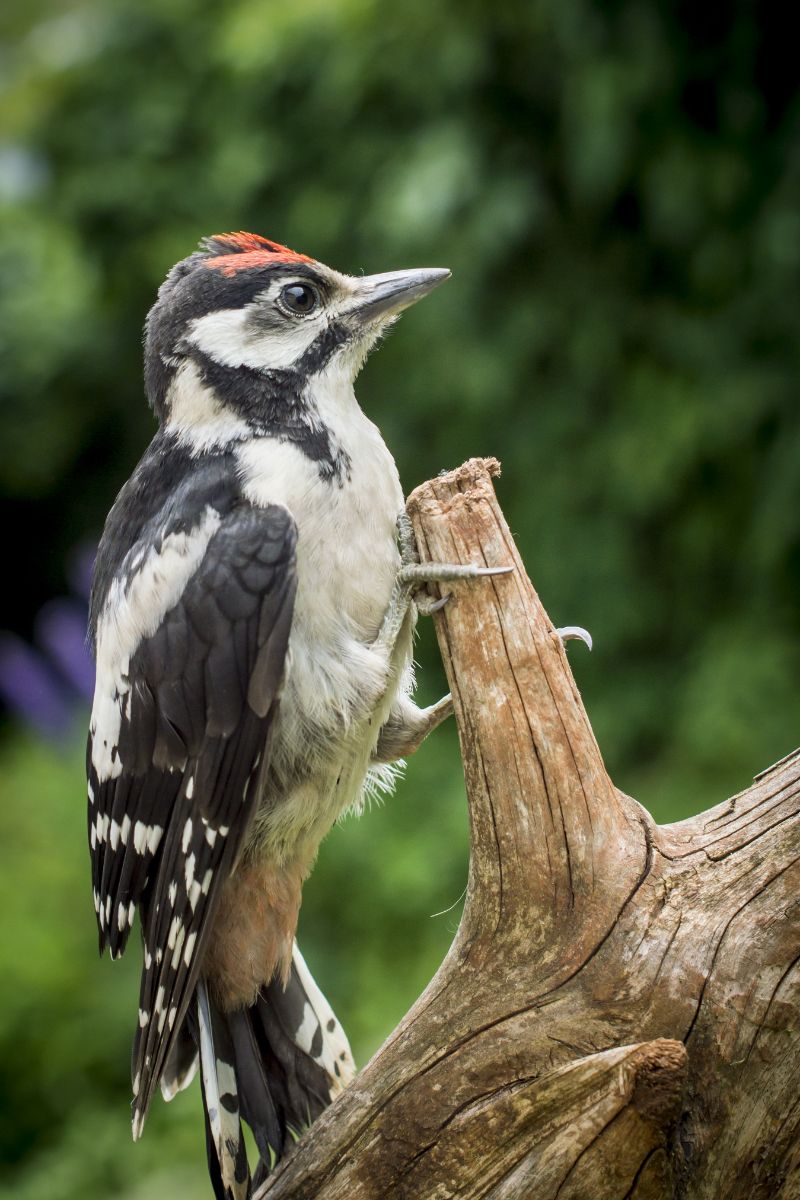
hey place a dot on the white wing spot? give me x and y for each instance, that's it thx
(173, 932)
(176, 954)
(144, 1017)
(187, 834)
(187, 954)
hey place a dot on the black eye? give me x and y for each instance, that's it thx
(299, 298)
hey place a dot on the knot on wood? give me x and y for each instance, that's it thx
(660, 1077)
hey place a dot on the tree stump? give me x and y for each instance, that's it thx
(618, 1015)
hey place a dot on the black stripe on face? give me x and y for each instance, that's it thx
(193, 289)
(318, 355)
(276, 404)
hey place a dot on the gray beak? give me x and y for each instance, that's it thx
(386, 295)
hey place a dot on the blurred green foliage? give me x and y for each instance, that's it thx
(615, 188)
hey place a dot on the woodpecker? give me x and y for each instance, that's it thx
(252, 613)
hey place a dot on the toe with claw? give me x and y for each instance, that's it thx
(575, 633)
(413, 575)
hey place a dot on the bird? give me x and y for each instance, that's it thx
(252, 610)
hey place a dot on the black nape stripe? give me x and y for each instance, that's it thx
(276, 404)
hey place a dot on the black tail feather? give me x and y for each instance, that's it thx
(181, 1065)
(255, 1082)
(276, 1065)
(301, 1086)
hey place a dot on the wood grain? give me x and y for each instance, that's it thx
(618, 1017)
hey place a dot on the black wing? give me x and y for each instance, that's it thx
(180, 737)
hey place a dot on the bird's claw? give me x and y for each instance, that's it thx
(432, 572)
(575, 633)
(414, 576)
(426, 606)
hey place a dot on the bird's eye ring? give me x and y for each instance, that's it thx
(299, 299)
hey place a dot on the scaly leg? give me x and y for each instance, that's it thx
(411, 577)
(407, 725)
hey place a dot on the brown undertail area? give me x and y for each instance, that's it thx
(253, 932)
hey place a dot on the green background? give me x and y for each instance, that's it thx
(615, 187)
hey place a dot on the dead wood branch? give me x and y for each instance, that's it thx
(618, 1017)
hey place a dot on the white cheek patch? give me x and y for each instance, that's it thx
(231, 337)
(196, 415)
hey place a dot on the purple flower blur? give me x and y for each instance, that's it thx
(80, 567)
(61, 632)
(46, 684)
(31, 689)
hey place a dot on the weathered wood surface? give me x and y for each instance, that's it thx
(618, 1017)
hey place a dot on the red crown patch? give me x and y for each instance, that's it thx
(232, 252)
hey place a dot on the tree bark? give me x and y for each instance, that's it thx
(618, 1015)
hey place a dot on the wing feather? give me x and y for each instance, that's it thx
(179, 741)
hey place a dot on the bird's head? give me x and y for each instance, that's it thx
(243, 308)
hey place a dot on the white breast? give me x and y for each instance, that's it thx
(347, 561)
(346, 554)
(339, 687)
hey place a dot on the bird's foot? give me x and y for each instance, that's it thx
(426, 606)
(408, 726)
(411, 577)
(416, 575)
